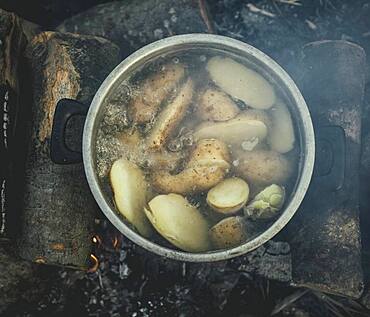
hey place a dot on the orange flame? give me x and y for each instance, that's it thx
(95, 265)
(96, 239)
(115, 242)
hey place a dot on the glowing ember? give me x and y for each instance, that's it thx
(115, 242)
(96, 239)
(95, 264)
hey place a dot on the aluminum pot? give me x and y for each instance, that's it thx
(266, 66)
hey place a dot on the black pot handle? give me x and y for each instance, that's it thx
(59, 151)
(330, 162)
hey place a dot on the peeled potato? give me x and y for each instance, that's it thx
(229, 232)
(130, 194)
(155, 89)
(254, 114)
(179, 222)
(228, 196)
(241, 82)
(215, 105)
(262, 168)
(233, 131)
(281, 137)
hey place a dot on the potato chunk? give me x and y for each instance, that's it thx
(154, 91)
(229, 232)
(228, 196)
(207, 166)
(171, 115)
(233, 131)
(179, 222)
(281, 137)
(130, 194)
(241, 82)
(215, 105)
(262, 168)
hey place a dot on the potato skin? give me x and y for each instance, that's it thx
(155, 89)
(209, 152)
(263, 168)
(228, 233)
(171, 115)
(190, 180)
(215, 105)
(208, 165)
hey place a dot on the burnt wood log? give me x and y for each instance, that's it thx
(133, 24)
(58, 209)
(15, 33)
(325, 233)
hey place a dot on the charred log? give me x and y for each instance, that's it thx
(58, 209)
(325, 233)
(15, 33)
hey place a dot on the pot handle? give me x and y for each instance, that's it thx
(59, 151)
(330, 164)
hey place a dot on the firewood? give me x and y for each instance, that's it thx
(58, 209)
(325, 233)
(15, 33)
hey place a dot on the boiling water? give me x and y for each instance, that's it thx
(162, 114)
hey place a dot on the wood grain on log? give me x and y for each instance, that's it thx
(58, 209)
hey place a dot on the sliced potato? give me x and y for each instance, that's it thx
(228, 196)
(281, 137)
(154, 91)
(179, 222)
(130, 194)
(210, 152)
(215, 105)
(228, 233)
(172, 114)
(241, 82)
(262, 168)
(234, 131)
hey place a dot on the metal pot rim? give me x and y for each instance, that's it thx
(198, 39)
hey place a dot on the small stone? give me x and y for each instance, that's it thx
(158, 34)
